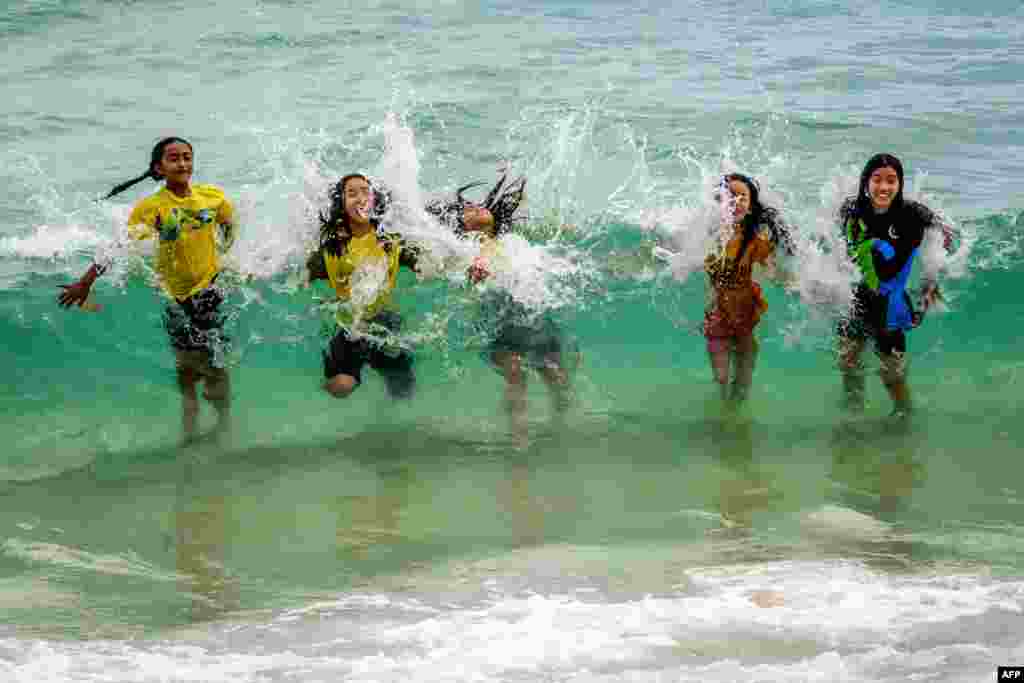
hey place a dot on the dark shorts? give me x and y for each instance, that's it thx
(197, 323)
(513, 328)
(865, 323)
(346, 355)
(539, 344)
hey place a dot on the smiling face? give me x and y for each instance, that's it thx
(175, 166)
(883, 186)
(739, 200)
(358, 198)
(476, 218)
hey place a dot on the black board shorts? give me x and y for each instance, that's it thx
(866, 321)
(346, 355)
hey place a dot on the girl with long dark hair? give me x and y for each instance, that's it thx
(736, 302)
(520, 340)
(361, 264)
(883, 233)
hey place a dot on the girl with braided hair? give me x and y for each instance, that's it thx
(191, 224)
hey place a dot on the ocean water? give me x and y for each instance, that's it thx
(643, 536)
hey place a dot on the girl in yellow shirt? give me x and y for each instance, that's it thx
(361, 266)
(191, 224)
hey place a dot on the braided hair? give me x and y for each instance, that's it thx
(156, 156)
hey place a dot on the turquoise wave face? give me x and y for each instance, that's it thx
(80, 374)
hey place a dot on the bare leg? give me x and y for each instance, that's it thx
(746, 359)
(893, 371)
(218, 393)
(193, 367)
(511, 365)
(557, 380)
(720, 369)
(187, 380)
(849, 352)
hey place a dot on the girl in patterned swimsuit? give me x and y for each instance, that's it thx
(736, 302)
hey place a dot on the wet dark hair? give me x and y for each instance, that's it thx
(502, 201)
(155, 158)
(759, 216)
(863, 202)
(906, 211)
(334, 228)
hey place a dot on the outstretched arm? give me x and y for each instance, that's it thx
(947, 231)
(142, 225)
(76, 293)
(936, 229)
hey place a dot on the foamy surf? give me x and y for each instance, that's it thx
(830, 621)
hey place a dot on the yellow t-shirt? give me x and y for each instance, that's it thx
(370, 290)
(185, 227)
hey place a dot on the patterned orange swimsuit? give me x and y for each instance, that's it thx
(737, 303)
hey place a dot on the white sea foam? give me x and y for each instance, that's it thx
(830, 621)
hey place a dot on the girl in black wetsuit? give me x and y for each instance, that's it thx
(883, 234)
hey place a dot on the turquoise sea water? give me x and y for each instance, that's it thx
(635, 539)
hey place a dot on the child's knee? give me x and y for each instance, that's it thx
(218, 387)
(893, 368)
(187, 380)
(511, 365)
(340, 386)
(849, 364)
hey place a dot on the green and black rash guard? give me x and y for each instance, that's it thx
(884, 247)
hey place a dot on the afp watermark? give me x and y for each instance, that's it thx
(1010, 673)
